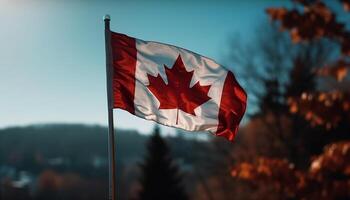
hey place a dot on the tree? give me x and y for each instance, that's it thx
(311, 21)
(326, 178)
(266, 66)
(275, 70)
(160, 176)
(317, 97)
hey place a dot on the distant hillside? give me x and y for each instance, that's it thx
(77, 142)
(82, 150)
(27, 147)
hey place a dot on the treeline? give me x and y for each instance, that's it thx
(77, 155)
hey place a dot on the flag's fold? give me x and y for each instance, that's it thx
(175, 87)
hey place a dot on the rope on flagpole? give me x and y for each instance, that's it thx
(111, 137)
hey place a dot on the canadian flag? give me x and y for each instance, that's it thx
(175, 87)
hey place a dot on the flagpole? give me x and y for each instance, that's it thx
(111, 138)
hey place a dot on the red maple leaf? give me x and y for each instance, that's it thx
(177, 94)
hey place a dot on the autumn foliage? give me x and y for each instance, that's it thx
(313, 113)
(315, 21)
(322, 108)
(326, 178)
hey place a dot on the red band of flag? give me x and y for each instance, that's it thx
(141, 86)
(124, 65)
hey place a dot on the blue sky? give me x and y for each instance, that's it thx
(52, 58)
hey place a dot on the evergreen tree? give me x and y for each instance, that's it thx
(160, 179)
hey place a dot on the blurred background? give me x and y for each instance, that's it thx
(291, 56)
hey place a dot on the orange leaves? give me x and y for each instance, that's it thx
(313, 94)
(338, 71)
(346, 5)
(327, 177)
(321, 108)
(277, 13)
(314, 22)
(279, 173)
(244, 171)
(264, 168)
(331, 170)
(317, 21)
(335, 159)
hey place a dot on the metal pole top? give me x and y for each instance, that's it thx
(106, 18)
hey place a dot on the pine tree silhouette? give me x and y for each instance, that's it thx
(160, 179)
